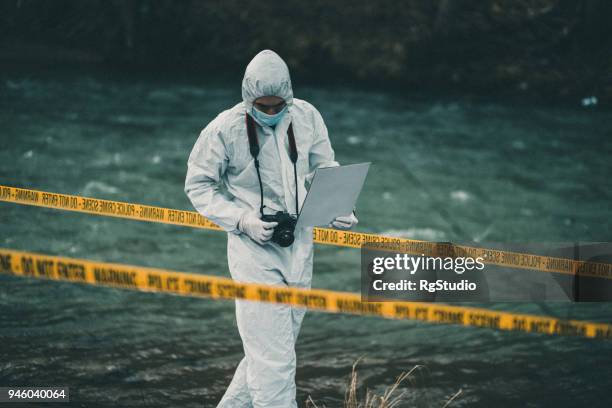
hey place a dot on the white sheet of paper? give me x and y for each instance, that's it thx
(333, 192)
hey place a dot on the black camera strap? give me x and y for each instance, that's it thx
(254, 149)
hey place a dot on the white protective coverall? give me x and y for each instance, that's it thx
(222, 185)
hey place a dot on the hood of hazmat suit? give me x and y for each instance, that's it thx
(222, 185)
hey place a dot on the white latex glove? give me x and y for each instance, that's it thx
(345, 222)
(259, 231)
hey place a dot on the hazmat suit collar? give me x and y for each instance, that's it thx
(266, 75)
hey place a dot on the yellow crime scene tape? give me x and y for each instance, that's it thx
(326, 236)
(27, 264)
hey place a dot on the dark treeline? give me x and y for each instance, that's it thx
(558, 48)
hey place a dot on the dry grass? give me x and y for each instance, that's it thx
(389, 399)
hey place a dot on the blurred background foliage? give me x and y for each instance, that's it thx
(549, 48)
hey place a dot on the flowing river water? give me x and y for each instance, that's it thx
(443, 170)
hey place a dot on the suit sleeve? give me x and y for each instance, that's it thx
(206, 165)
(321, 151)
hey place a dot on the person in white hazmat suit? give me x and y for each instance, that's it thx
(222, 184)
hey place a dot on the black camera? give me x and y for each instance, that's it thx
(283, 232)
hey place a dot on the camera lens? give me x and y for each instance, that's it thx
(285, 238)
